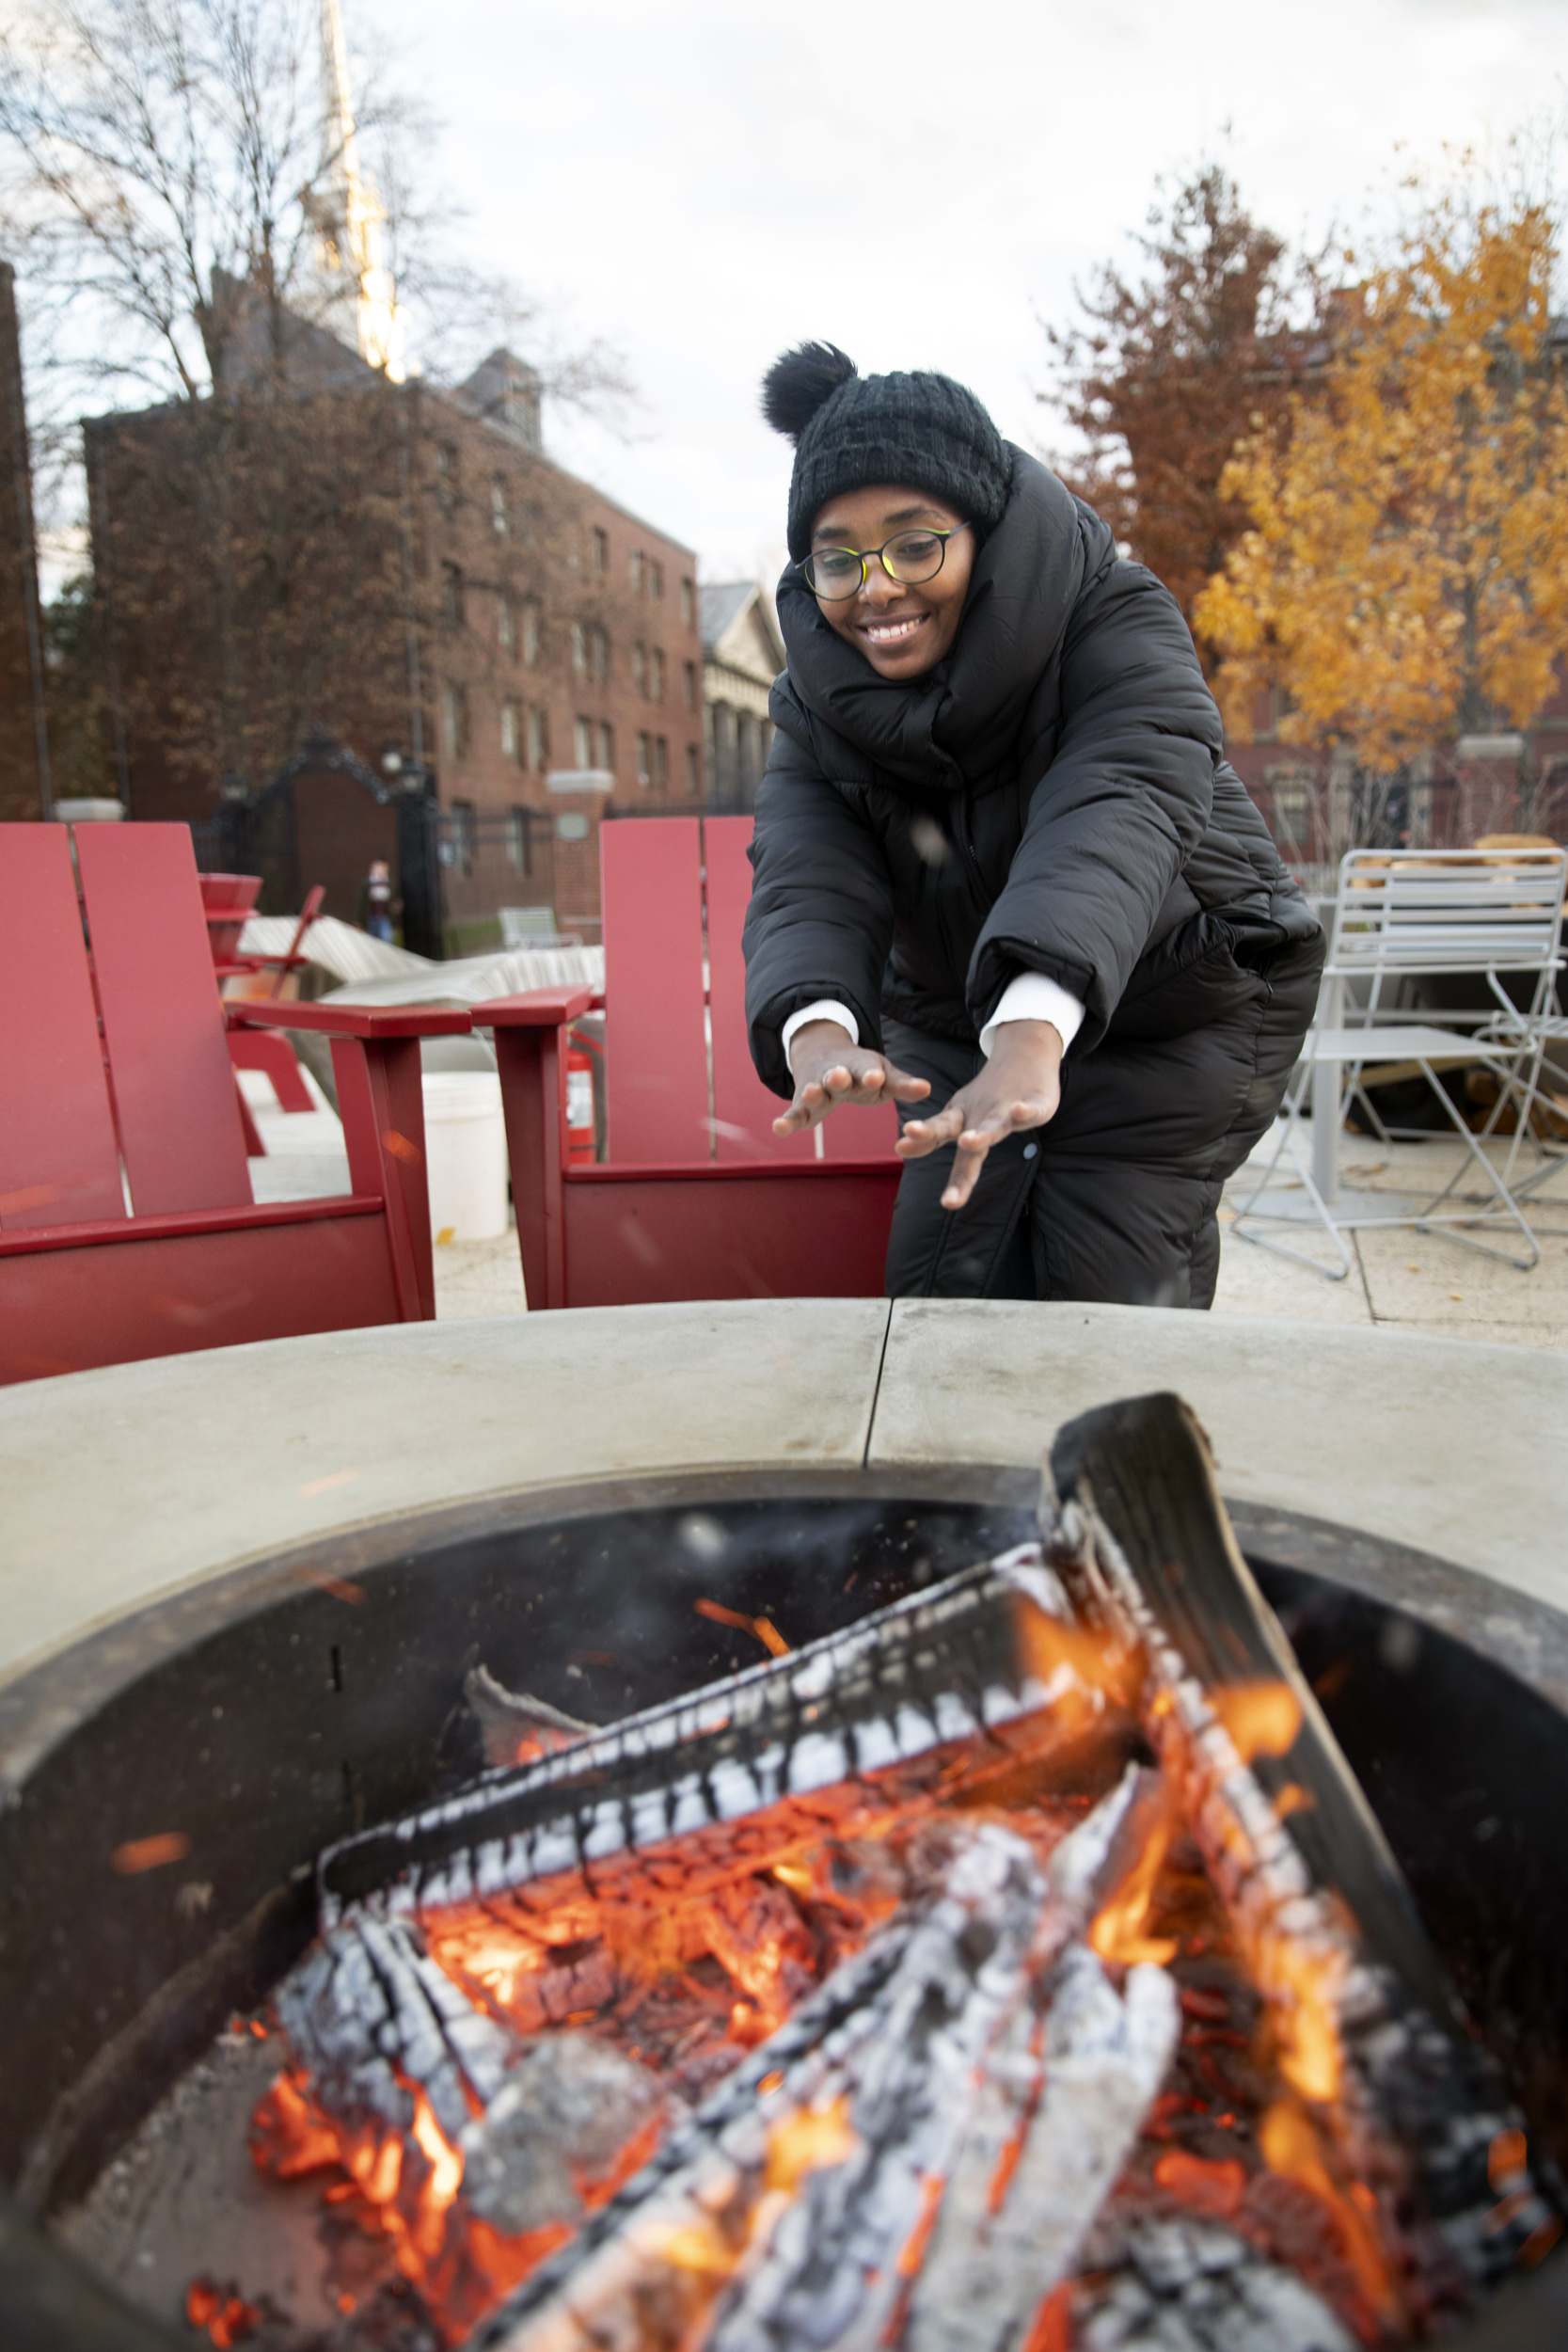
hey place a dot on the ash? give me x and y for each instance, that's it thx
(1196, 2287)
(569, 2106)
(183, 2194)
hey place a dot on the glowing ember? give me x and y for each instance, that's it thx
(225, 2314)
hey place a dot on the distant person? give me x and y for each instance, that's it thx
(375, 900)
(1001, 864)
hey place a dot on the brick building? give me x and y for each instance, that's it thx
(462, 618)
(1317, 804)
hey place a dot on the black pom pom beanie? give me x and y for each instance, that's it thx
(850, 430)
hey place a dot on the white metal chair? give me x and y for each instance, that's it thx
(1400, 914)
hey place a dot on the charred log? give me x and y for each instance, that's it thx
(1392, 2099)
(924, 1675)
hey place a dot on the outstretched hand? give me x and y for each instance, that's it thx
(1019, 1087)
(829, 1070)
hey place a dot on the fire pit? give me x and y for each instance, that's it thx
(223, 1741)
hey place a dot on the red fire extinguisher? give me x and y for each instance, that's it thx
(581, 1131)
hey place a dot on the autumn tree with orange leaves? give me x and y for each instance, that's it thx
(1166, 371)
(1404, 578)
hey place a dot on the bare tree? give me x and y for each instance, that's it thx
(197, 241)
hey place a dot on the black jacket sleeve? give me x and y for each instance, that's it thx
(1120, 809)
(820, 920)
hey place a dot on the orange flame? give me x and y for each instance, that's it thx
(1118, 1932)
(1080, 1670)
(809, 2140)
(1301, 1987)
(1262, 1718)
(1291, 2147)
(446, 2174)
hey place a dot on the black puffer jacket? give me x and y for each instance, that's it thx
(1052, 797)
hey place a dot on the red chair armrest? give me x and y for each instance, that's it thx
(362, 1021)
(538, 1009)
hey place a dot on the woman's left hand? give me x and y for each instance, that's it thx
(1019, 1087)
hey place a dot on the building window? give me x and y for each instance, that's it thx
(446, 476)
(661, 763)
(655, 581)
(691, 770)
(451, 595)
(655, 675)
(517, 847)
(1292, 818)
(598, 655)
(640, 668)
(689, 684)
(644, 771)
(583, 742)
(538, 741)
(606, 745)
(506, 624)
(498, 517)
(512, 733)
(601, 552)
(531, 634)
(465, 835)
(580, 648)
(454, 721)
(634, 566)
(689, 604)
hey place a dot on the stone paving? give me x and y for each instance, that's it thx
(1428, 1282)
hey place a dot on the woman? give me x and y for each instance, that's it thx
(1003, 870)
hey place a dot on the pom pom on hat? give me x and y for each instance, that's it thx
(800, 381)
(918, 429)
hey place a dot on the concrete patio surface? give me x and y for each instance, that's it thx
(1408, 1280)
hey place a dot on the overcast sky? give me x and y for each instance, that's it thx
(701, 183)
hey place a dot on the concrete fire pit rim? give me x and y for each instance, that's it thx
(46, 1700)
(129, 1485)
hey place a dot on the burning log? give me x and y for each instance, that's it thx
(374, 2022)
(972, 1659)
(1391, 2113)
(828, 2194)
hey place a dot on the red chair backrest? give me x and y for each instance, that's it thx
(165, 1104)
(228, 899)
(673, 1091)
(656, 1059)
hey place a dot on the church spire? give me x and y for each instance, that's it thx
(350, 219)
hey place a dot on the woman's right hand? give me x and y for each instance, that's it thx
(829, 1069)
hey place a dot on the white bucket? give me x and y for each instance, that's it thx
(464, 1141)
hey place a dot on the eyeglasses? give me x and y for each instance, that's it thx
(908, 558)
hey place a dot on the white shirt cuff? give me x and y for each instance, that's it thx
(1033, 997)
(825, 1008)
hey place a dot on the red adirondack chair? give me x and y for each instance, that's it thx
(696, 1197)
(127, 1226)
(226, 900)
